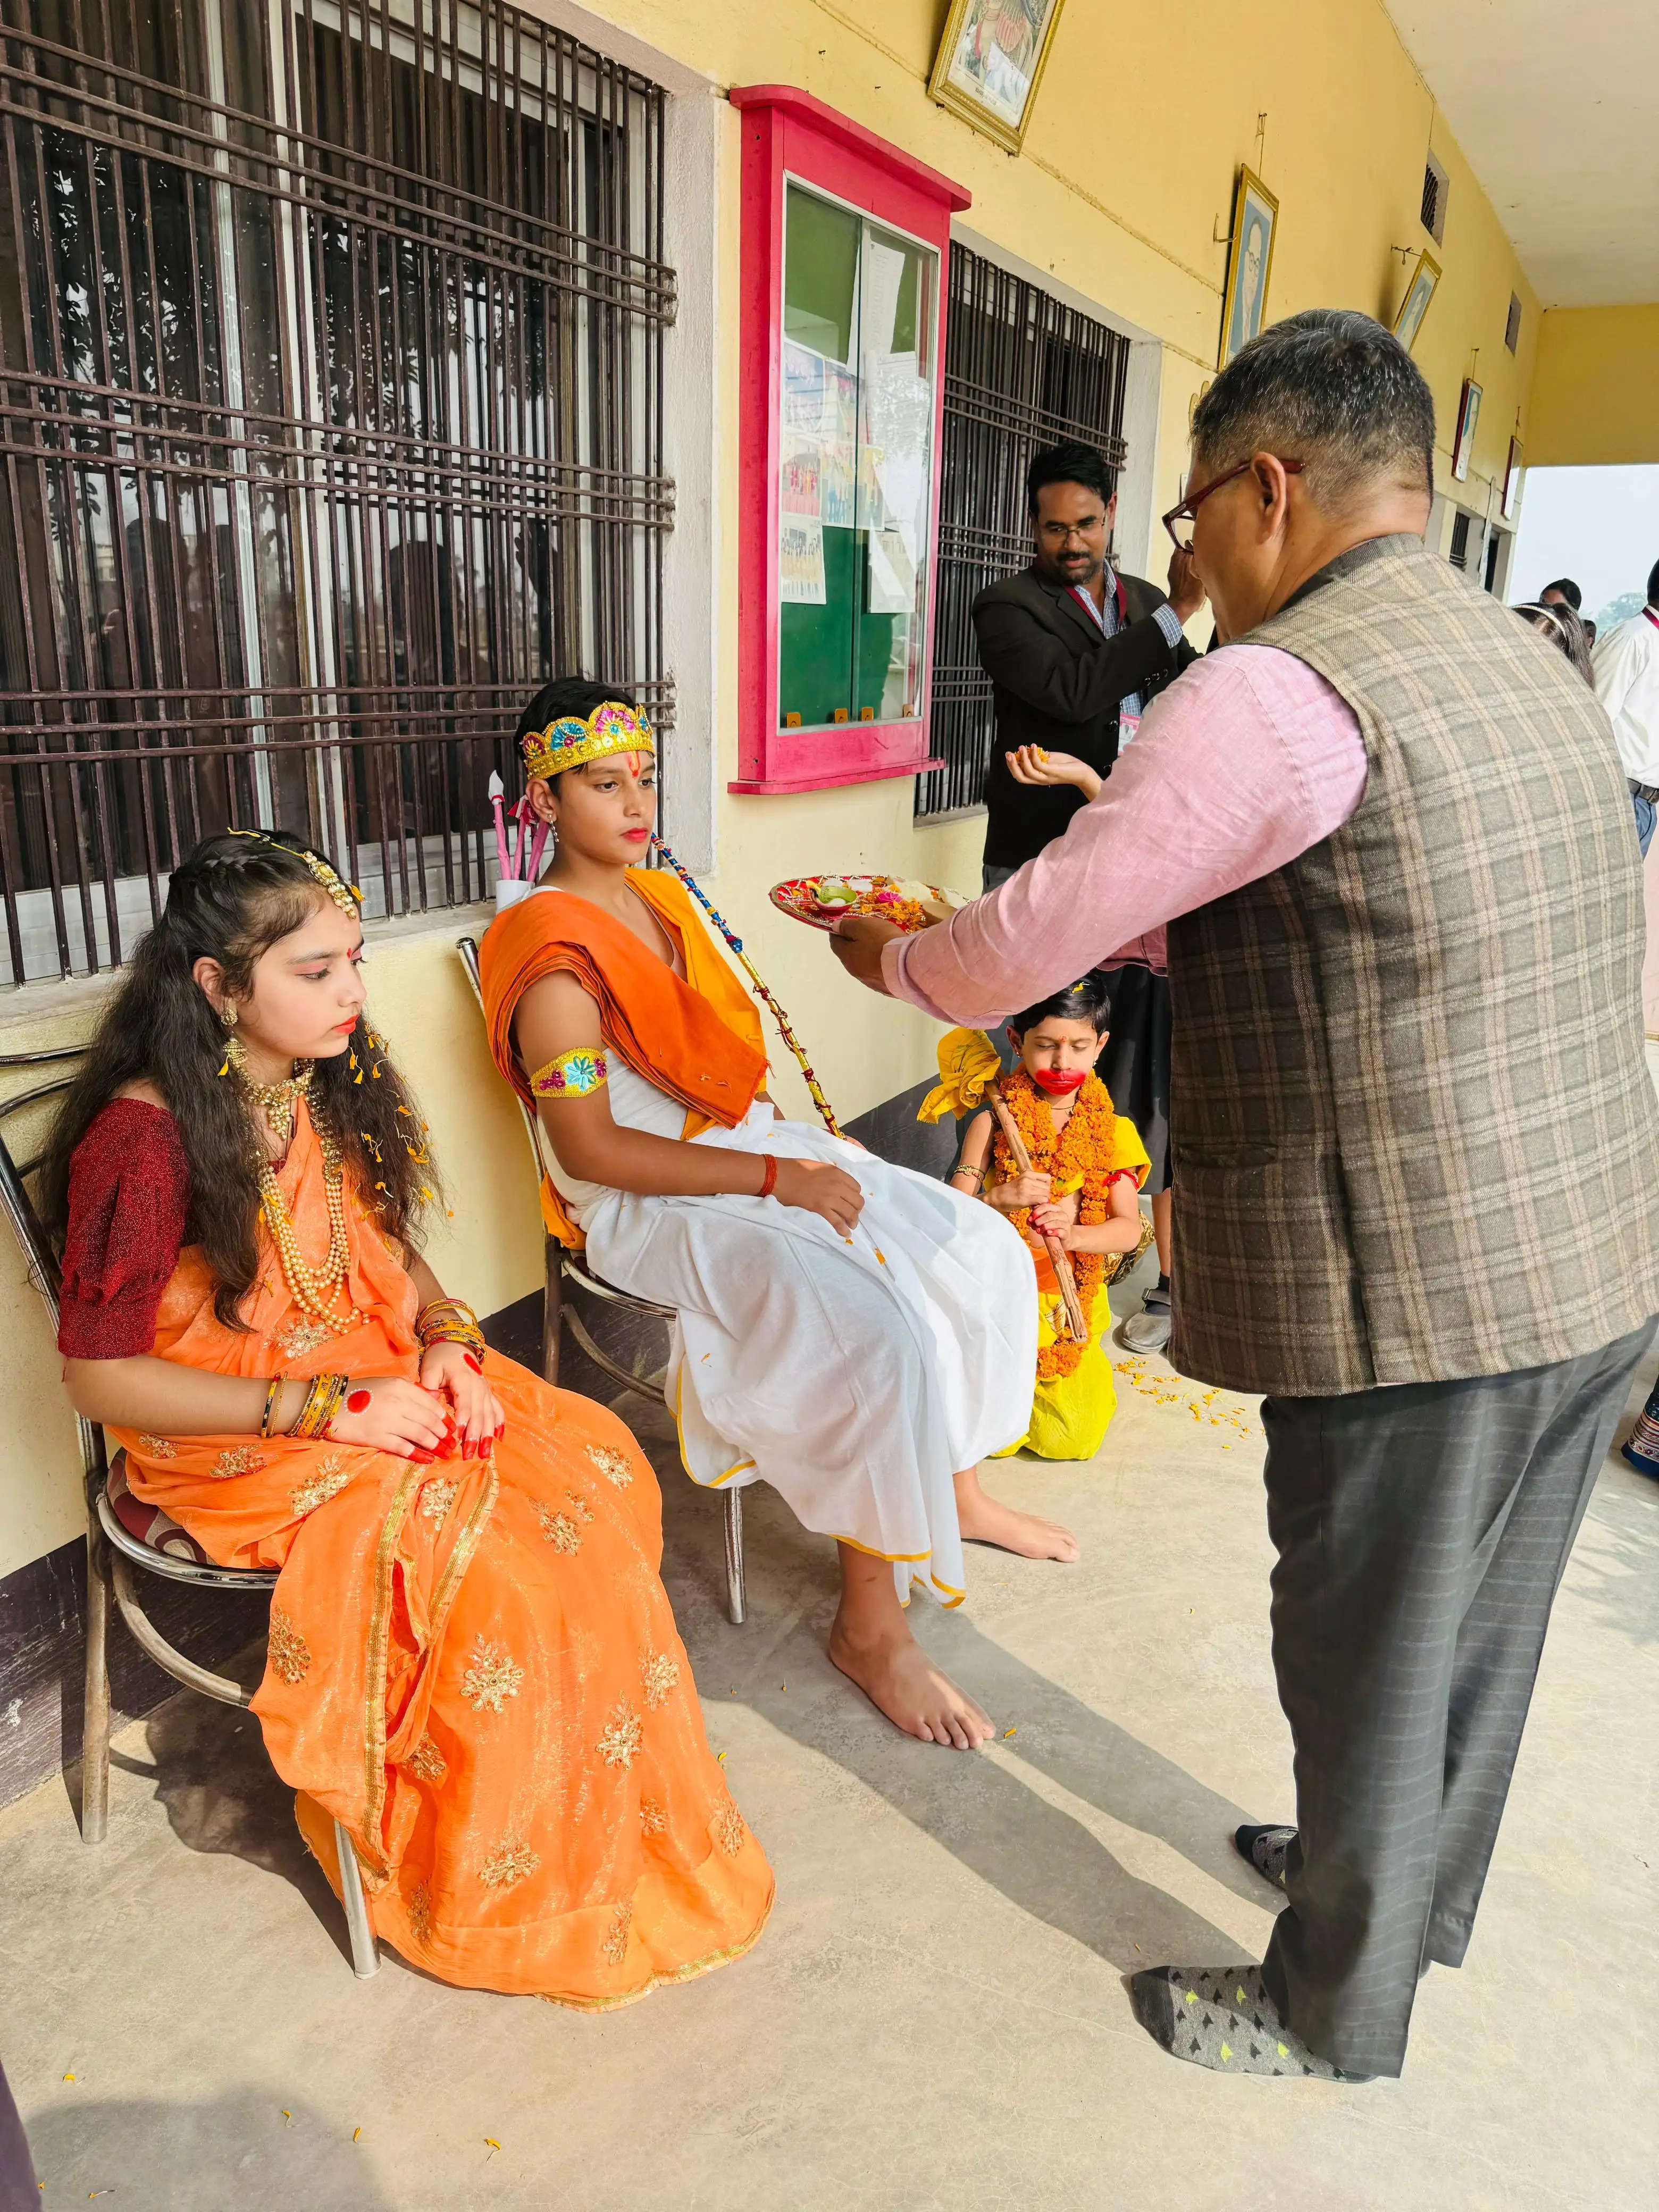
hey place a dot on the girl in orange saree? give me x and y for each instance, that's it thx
(472, 1663)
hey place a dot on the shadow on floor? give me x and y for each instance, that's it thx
(222, 1795)
(241, 2149)
(209, 1770)
(1038, 1855)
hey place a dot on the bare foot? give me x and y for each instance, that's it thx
(987, 1521)
(898, 1678)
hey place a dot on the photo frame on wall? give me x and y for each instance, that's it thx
(1469, 414)
(1250, 263)
(1415, 305)
(1512, 480)
(990, 62)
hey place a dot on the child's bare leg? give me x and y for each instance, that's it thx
(987, 1521)
(871, 1644)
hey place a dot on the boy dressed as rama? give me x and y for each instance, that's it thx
(846, 1331)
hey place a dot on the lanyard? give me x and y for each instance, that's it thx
(1651, 616)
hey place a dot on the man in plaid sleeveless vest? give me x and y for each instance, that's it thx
(1413, 1134)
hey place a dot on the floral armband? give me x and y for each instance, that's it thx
(574, 1074)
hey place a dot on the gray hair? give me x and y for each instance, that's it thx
(1328, 387)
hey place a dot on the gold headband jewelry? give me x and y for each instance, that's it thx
(571, 742)
(345, 896)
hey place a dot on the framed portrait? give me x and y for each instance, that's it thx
(1250, 263)
(989, 64)
(1469, 414)
(1512, 481)
(1415, 305)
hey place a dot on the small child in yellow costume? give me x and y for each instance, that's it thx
(1087, 1166)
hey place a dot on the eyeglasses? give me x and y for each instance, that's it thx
(1188, 510)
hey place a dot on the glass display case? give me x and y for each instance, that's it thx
(843, 245)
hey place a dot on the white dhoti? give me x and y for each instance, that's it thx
(855, 1376)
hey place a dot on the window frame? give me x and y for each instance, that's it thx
(790, 136)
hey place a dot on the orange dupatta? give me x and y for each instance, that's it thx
(699, 1040)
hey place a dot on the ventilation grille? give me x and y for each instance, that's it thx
(1512, 328)
(1437, 185)
(1459, 545)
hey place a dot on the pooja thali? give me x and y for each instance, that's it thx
(822, 901)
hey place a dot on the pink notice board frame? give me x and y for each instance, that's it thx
(788, 133)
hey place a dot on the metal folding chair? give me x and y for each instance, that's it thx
(113, 1552)
(562, 1266)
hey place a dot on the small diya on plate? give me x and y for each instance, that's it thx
(822, 901)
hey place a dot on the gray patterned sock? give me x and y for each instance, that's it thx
(1265, 1849)
(1222, 2018)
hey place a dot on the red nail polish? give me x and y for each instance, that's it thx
(415, 1452)
(477, 1366)
(357, 1401)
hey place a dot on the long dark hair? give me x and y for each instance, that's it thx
(231, 900)
(1565, 632)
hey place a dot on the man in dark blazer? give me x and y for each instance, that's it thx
(1073, 650)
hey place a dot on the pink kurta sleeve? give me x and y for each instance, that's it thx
(1244, 762)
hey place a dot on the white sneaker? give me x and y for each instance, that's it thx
(1148, 1330)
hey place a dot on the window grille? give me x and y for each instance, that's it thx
(1459, 556)
(1022, 371)
(330, 410)
(1437, 185)
(1512, 327)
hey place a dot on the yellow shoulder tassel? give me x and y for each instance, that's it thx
(967, 1063)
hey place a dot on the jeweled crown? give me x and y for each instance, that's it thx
(572, 741)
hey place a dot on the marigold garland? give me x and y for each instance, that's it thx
(1083, 1159)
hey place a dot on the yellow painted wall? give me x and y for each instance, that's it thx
(1122, 194)
(1595, 392)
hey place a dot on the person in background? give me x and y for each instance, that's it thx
(1076, 652)
(1088, 1164)
(1564, 631)
(1625, 667)
(1563, 592)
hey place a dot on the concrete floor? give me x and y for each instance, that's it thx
(937, 2015)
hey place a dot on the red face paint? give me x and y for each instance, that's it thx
(1058, 1082)
(358, 1402)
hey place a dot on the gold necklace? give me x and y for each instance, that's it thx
(276, 1101)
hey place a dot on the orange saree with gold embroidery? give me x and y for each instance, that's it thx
(472, 1665)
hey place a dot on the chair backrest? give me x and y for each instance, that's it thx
(38, 1247)
(468, 949)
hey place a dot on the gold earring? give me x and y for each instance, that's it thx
(228, 1015)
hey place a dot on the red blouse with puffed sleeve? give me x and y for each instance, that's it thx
(129, 1194)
